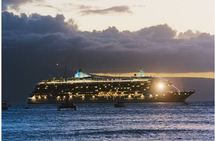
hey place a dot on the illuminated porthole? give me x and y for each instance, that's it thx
(58, 98)
(142, 97)
(33, 98)
(129, 96)
(150, 96)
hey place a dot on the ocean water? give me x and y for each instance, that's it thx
(96, 122)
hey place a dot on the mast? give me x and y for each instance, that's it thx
(65, 75)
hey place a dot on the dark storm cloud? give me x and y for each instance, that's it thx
(114, 9)
(156, 47)
(32, 45)
(35, 24)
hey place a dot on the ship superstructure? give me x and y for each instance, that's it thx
(85, 87)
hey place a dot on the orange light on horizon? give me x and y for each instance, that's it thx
(209, 75)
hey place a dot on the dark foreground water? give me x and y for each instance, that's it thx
(92, 122)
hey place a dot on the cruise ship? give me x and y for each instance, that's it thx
(91, 88)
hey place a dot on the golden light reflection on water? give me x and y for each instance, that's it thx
(188, 74)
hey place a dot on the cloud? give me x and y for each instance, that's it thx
(14, 4)
(50, 6)
(84, 7)
(114, 9)
(158, 48)
(188, 34)
(35, 23)
(32, 45)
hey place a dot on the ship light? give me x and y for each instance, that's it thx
(70, 97)
(82, 97)
(93, 96)
(142, 96)
(39, 97)
(58, 97)
(129, 96)
(33, 98)
(160, 86)
(150, 96)
(45, 97)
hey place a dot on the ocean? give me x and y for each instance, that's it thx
(96, 122)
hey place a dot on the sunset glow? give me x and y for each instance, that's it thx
(190, 74)
(136, 13)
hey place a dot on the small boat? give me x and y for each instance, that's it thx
(4, 106)
(119, 104)
(66, 105)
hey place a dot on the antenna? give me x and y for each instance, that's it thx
(65, 72)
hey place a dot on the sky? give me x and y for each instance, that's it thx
(131, 15)
(172, 38)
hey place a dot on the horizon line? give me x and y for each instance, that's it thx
(209, 75)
